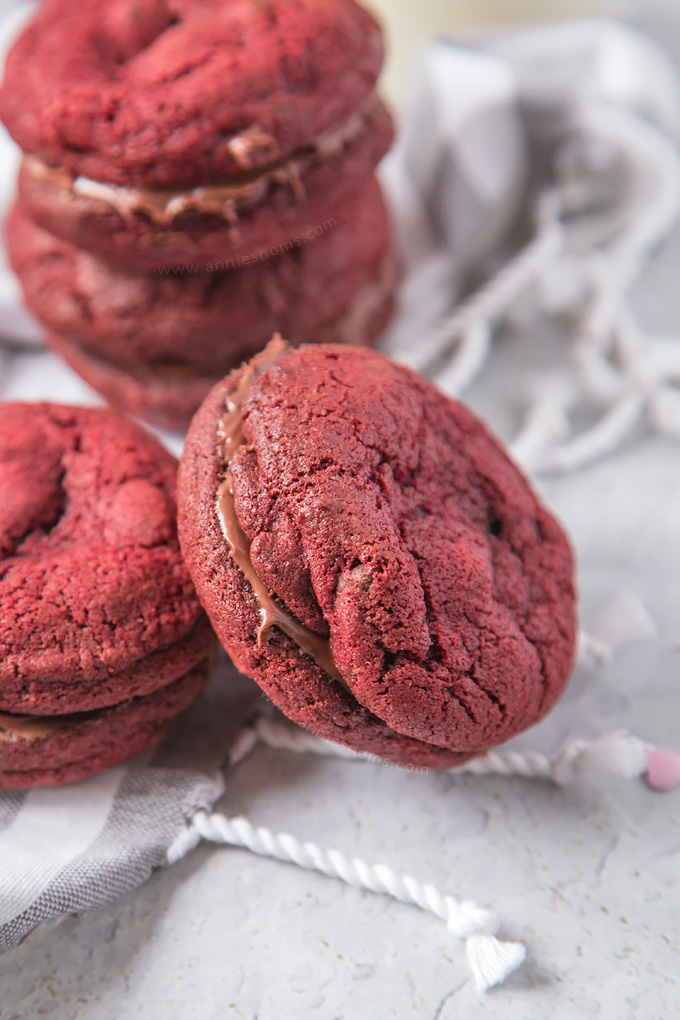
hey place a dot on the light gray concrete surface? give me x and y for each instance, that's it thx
(588, 876)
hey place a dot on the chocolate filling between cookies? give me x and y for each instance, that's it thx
(15, 726)
(230, 438)
(34, 727)
(163, 206)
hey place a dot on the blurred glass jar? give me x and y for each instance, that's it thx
(409, 22)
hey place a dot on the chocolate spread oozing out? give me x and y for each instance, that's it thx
(231, 437)
(164, 205)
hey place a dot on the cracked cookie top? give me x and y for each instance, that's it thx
(385, 519)
(91, 575)
(174, 93)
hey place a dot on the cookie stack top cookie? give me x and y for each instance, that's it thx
(169, 139)
(174, 93)
(165, 133)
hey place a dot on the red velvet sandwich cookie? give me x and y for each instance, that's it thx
(96, 603)
(56, 749)
(145, 229)
(190, 130)
(211, 320)
(168, 395)
(173, 93)
(369, 554)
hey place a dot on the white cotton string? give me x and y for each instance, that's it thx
(244, 744)
(547, 419)
(592, 650)
(284, 736)
(491, 961)
(604, 437)
(470, 327)
(653, 363)
(618, 753)
(469, 360)
(600, 379)
(657, 206)
(623, 386)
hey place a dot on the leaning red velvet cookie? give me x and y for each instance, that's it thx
(51, 750)
(168, 393)
(212, 319)
(189, 131)
(369, 554)
(96, 603)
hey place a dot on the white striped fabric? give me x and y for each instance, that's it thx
(71, 848)
(72, 815)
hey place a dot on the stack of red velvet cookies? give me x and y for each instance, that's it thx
(197, 174)
(102, 637)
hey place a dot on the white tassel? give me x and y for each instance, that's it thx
(491, 961)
